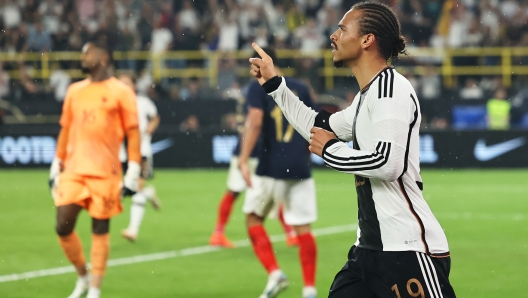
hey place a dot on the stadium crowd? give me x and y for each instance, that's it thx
(158, 26)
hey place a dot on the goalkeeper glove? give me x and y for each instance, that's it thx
(130, 181)
(55, 169)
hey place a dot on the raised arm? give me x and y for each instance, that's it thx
(301, 117)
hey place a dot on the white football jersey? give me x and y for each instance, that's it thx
(146, 111)
(383, 122)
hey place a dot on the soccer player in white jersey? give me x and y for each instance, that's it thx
(148, 123)
(401, 249)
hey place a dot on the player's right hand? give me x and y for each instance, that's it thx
(262, 69)
(246, 173)
(130, 181)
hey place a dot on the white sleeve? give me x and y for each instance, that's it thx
(391, 121)
(303, 118)
(300, 116)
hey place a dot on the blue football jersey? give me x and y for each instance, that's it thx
(255, 153)
(284, 152)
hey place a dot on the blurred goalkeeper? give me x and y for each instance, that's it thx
(86, 173)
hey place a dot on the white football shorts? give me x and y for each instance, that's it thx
(296, 196)
(235, 181)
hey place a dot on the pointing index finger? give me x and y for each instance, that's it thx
(259, 51)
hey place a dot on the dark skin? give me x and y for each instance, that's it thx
(350, 49)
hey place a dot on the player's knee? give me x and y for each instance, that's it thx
(302, 229)
(233, 193)
(253, 219)
(139, 199)
(63, 229)
(100, 226)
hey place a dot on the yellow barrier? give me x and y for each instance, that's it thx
(447, 69)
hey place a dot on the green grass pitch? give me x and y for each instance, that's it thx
(484, 214)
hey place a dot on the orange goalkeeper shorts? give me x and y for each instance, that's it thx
(101, 197)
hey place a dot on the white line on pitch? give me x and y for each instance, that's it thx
(165, 255)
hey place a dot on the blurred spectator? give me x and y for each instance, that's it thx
(229, 122)
(59, 82)
(174, 92)
(234, 92)
(39, 39)
(51, 11)
(85, 9)
(11, 14)
(498, 111)
(191, 124)
(4, 82)
(126, 41)
(161, 38)
(227, 73)
(471, 90)
(192, 91)
(30, 13)
(189, 17)
(277, 20)
(307, 68)
(509, 8)
(228, 34)
(430, 84)
(309, 37)
(461, 19)
(295, 18)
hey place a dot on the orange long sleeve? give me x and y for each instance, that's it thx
(134, 144)
(62, 143)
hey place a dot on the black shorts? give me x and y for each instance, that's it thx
(387, 274)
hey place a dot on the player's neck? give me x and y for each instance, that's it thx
(364, 70)
(100, 74)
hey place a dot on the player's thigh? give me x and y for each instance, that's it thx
(409, 274)
(259, 198)
(105, 197)
(300, 205)
(348, 282)
(235, 181)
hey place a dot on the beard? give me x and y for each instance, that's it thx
(339, 64)
(85, 70)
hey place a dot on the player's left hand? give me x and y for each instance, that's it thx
(130, 181)
(318, 139)
(246, 173)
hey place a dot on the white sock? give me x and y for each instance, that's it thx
(93, 293)
(275, 274)
(137, 211)
(149, 192)
(85, 278)
(309, 291)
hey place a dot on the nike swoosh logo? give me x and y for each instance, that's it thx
(162, 145)
(484, 153)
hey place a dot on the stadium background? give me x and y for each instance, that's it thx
(467, 62)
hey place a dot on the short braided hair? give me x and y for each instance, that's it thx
(380, 20)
